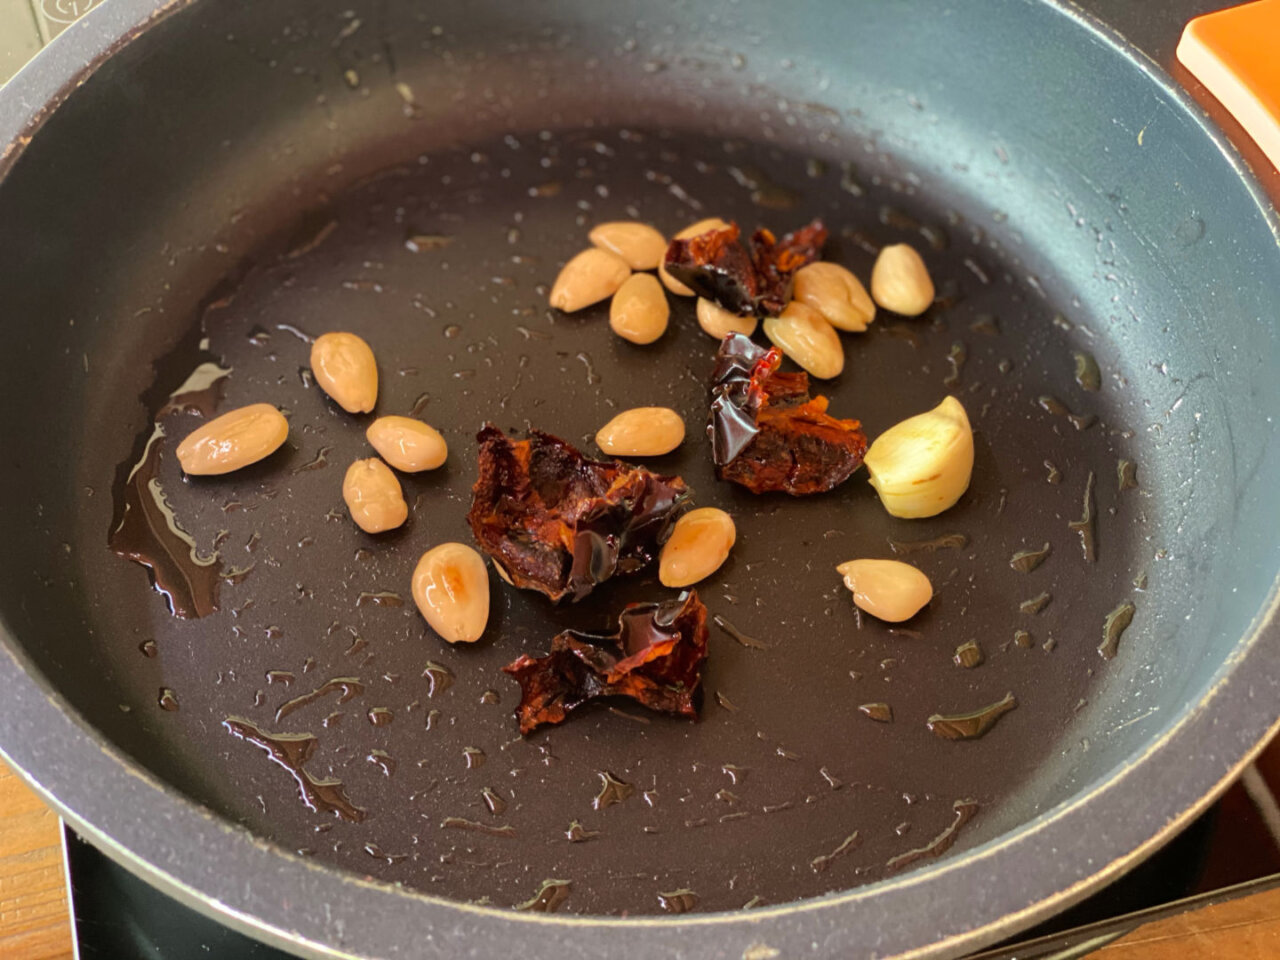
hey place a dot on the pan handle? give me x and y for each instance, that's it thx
(1235, 53)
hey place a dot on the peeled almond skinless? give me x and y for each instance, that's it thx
(641, 246)
(589, 277)
(451, 589)
(698, 546)
(835, 293)
(887, 589)
(805, 336)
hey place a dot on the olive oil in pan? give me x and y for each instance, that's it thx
(460, 346)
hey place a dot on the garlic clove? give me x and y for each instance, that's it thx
(887, 589)
(921, 466)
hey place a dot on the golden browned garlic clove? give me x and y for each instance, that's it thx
(900, 281)
(234, 440)
(639, 311)
(699, 544)
(718, 322)
(407, 444)
(373, 496)
(641, 246)
(923, 465)
(835, 293)
(887, 589)
(345, 369)
(589, 277)
(804, 335)
(641, 432)
(451, 589)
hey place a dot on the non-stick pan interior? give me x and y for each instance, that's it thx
(249, 175)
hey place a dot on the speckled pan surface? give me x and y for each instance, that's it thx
(254, 229)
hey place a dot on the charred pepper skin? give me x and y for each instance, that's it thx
(768, 434)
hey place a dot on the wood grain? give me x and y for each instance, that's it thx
(35, 923)
(1243, 929)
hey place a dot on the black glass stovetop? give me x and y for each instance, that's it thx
(119, 917)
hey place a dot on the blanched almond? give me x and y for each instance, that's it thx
(699, 544)
(693, 230)
(591, 276)
(407, 444)
(804, 335)
(836, 294)
(887, 589)
(373, 496)
(451, 589)
(639, 311)
(718, 322)
(900, 281)
(641, 246)
(641, 432)
(233, 440)
(344, 366)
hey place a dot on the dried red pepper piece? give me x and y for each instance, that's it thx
(768, 433)
(655, 658)
(717, 266)
(557, 522)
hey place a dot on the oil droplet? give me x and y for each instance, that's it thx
(949, 541)
(148, 533)
(964, 812)
(375, 851)
(986, 324)
(461, 823)
(1113, 629)
(148, 648)
(549, 897)
(490, 697)
(1036, 603)
(280, 676)
(612, 790)
(1054, 474)
(880, 712)
(1085, 525)
(439, 678)
(1022, 638)
(383, 761)
(379, 598)
(380, 716)
(291, 751)
(969, 726)
(725, 702)
(493, 801)
(819, 864)
(1024, 561)
(735, 773)
(426, 242)
(678, 901)
(968, 655)
(168, 700)
(577, 833)
(420, 405)
(956, 358)
(474, 757)
(318, 462)
(1127, 475)
(1087, 374)
(738, 635)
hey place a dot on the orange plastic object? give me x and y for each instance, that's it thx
(1235, 53)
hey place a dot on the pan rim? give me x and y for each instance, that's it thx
(46, 740)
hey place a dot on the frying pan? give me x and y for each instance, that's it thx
(202, 182)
